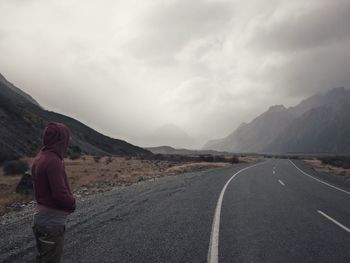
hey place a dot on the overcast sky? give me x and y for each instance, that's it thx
(128, 67)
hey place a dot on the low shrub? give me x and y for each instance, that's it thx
(5, 156)
(207, 158)
(338, 161)
(74, 156)
(74, 152)
(15, 167)
(234, 159)
(109, 160)
(97, 158)
(25, 186)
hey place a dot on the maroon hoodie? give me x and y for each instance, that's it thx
(50, 182)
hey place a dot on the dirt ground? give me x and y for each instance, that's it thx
(90, 175)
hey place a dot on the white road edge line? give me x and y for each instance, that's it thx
(334, 221)
(281, 182)
(213, 252)
(339, 189)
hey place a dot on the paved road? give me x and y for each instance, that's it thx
(271, 212)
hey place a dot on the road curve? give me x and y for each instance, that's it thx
(273, 217)
(269, 213)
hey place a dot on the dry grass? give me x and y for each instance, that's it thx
(86, 176)
(193, 166)
(318, 165)
(248, 159)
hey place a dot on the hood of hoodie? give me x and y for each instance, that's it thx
(56, 138)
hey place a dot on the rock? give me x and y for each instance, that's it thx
(25, 185)
(140, 178)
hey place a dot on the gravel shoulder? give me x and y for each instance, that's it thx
(90, 175)
(153, 218)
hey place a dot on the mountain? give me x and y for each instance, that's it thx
(13, 92)
(325, 128)
(320, 123)
(168, 134)
(22, 121)
(171, 150)
(254, 136)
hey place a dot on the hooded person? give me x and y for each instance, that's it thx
(54, 199)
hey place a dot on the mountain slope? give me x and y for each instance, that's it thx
(168, 134)
(254, 136)
(15, 93)
(22, 121)
(320, 123)
(323, 129)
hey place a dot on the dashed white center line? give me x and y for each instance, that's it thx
(334, 221)
(281, 182)
(273, 172)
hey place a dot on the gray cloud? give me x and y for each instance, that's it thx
(171, 25)
(322, 23)
(306, 50)
(307, 73)
(128, 67)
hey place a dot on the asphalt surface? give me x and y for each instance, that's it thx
(265, 216)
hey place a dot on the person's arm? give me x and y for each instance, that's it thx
(61, 193)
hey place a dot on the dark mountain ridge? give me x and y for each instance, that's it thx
(12, 92)
(22, 121)
(320, 123)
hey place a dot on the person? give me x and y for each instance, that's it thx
(54, 199)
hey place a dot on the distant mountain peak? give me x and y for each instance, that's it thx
(337, 91)
(319, 123)
(276, 108)
(171, 128)
(242, 124)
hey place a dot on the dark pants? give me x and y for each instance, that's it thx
(49, 242)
